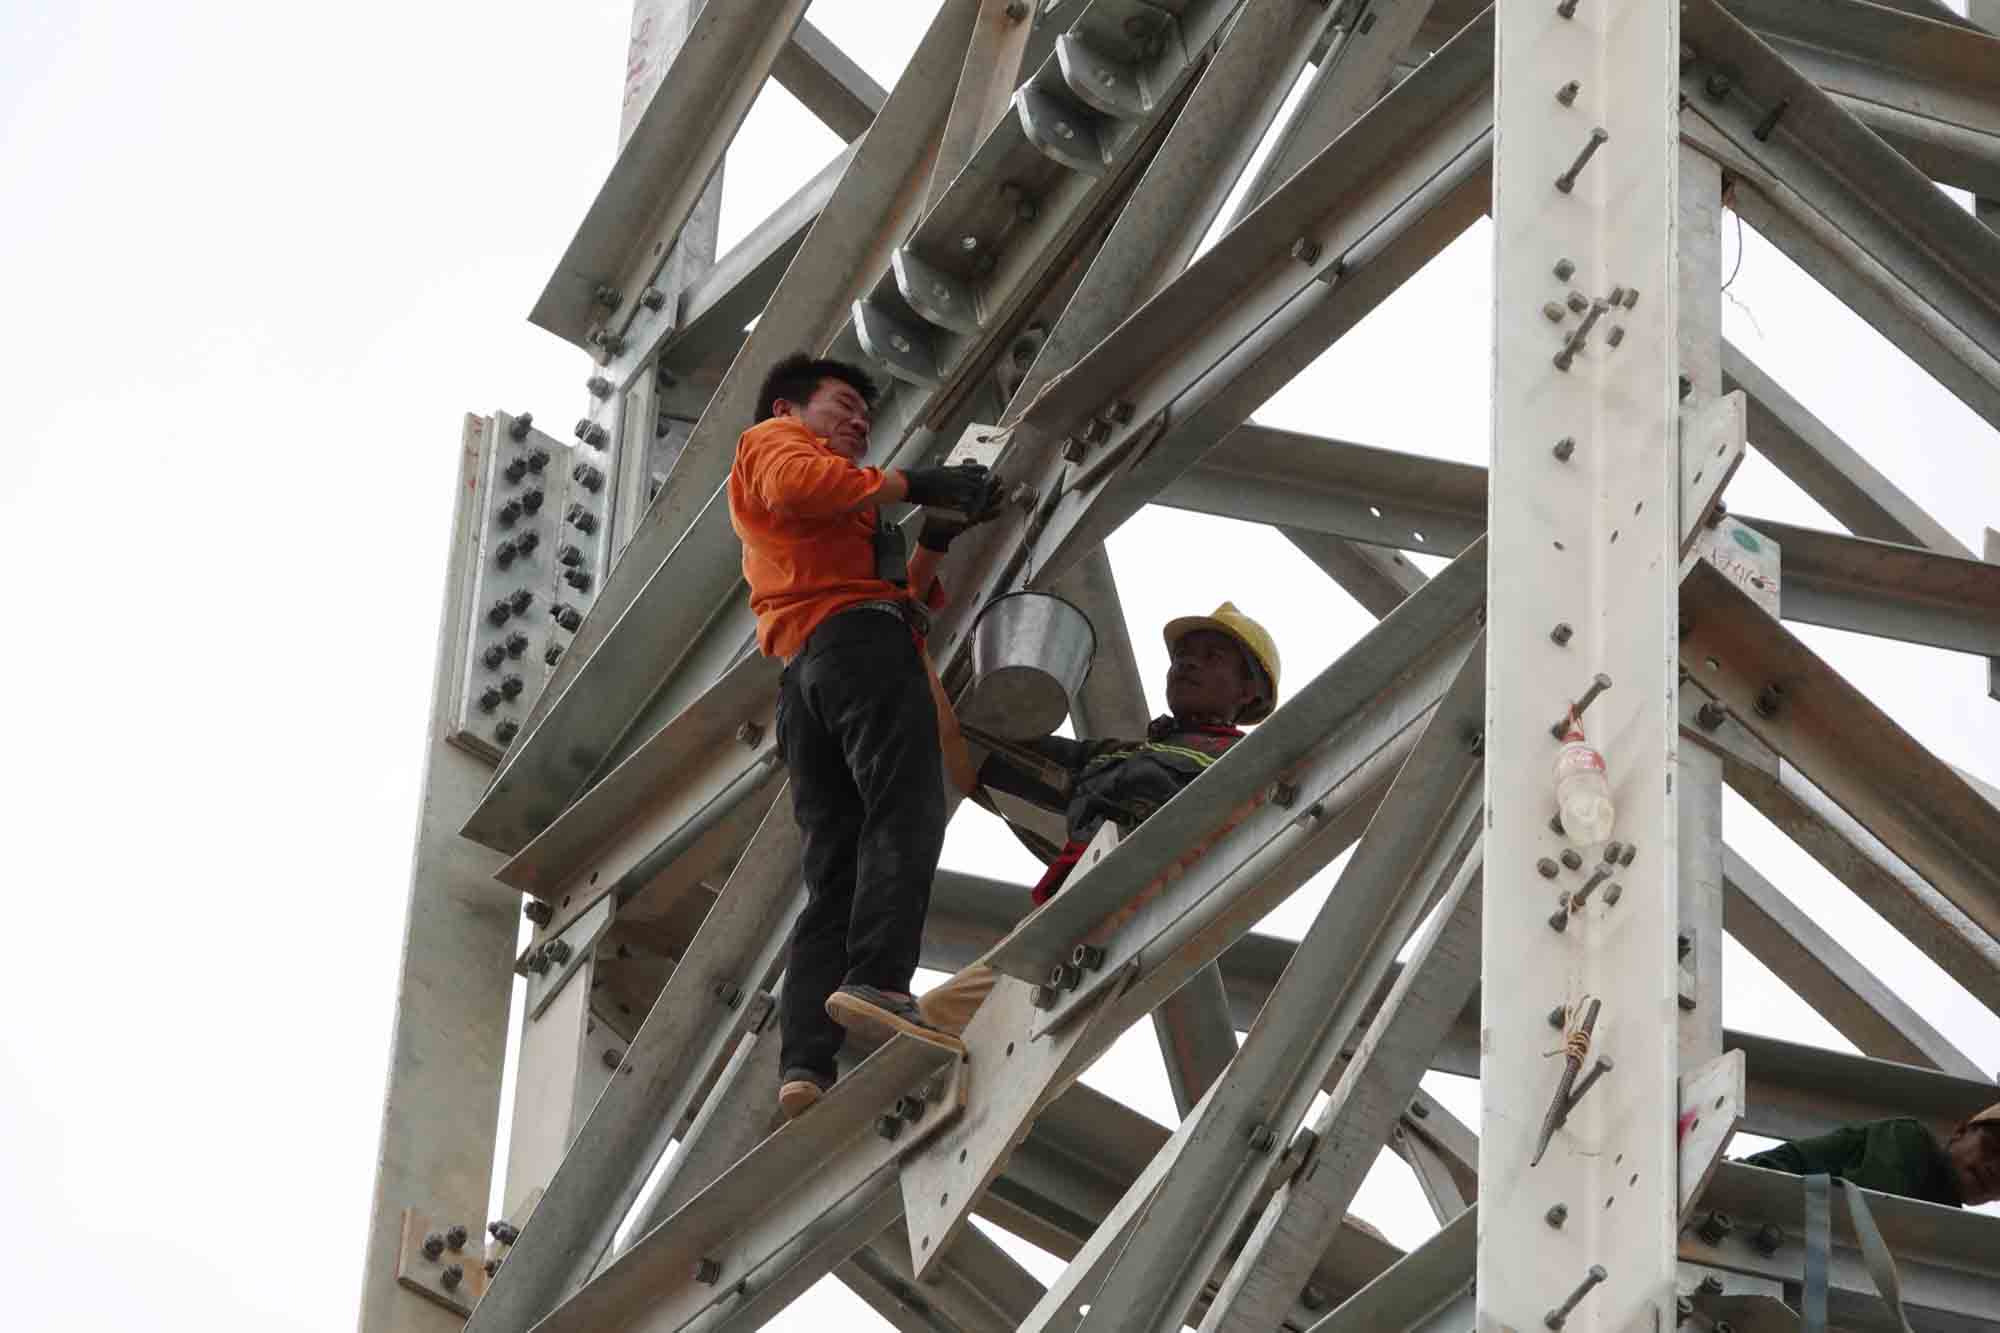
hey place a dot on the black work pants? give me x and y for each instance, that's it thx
(859, 734)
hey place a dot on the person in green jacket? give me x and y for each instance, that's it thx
(1903, 1157)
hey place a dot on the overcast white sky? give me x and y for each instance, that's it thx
(257, 261)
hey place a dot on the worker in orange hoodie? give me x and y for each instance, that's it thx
(841, 601)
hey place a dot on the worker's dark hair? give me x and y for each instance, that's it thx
(796, 377)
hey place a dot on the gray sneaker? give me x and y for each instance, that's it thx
(869, 1012)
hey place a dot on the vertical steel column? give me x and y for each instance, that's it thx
(1583, 533)
(441, 1106)
(1699, 340)
(649, 441)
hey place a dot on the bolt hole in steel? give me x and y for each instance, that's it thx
(961, 1157)
(1634, 1180)
(1559, 546)
(1614, 536)
(1374, 511)
(1637, 507)
(593, 877)
(1417, 535)
(968, 242)
(926, 1245)
(1010, 1048)
(1608, 1201)
(1712, 664)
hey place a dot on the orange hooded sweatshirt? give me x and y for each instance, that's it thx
(808, 551)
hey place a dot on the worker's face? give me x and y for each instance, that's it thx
(836, 411)
(1208, 678)
(1975, 1156)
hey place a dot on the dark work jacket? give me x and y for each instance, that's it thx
(1123, 781)
(1890, 1156)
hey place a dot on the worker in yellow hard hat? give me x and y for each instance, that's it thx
(1222, 674)
(1902, 1156)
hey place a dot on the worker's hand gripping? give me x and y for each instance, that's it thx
(957, 498)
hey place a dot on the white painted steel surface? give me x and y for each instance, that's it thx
(1590, 541)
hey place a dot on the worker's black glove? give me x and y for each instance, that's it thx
(941, 527)
(963, 488)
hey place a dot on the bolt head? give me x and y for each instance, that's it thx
(541, 914)
(1546, 867)
(1557, 1214)
(750, 734)
(1306, 250)
(433, 1245)
(652, 298)
(455, 1236)
(452, 1276)
(505, 730)
(1711, 1285)
(1717, 86)
(612, 1059)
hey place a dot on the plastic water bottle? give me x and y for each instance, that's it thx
(1583, 796)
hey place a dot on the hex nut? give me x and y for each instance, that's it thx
(455, 1236)
(1715, 1228)
(1556, 1215)
(541, 914)
(452, 1276)
(433, 1245)
(1768, 1238)
(707, 1271)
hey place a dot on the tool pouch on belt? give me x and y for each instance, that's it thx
(892, 553)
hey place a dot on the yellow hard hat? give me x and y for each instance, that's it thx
(1256, 641)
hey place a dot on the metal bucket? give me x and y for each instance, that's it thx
(1030, 654)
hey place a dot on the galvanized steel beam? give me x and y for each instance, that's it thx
(827, 82)
(1793, 702)
(663, 169)
(1838, 986)
(1585, 173)
(1847, 208)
